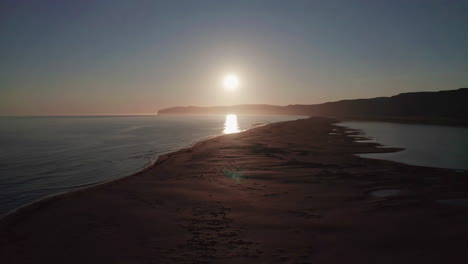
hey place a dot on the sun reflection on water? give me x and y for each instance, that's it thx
(231, 125)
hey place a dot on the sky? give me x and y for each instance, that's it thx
(137, 56)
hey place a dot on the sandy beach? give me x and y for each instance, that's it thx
(289, 192)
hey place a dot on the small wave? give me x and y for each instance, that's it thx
(68, 187)
(80, 152)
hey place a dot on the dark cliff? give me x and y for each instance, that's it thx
(431, 107)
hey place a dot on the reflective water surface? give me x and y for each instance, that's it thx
(231, 125)
(425, 145)
(40, 156)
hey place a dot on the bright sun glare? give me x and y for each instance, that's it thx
(231, 82)
(231, 125)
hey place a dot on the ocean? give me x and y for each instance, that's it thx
(43, 156)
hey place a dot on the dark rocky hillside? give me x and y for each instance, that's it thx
(450, 107)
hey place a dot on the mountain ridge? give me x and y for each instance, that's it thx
(447, 106)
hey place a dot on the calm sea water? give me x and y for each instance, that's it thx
(41, 156)
(425, 145)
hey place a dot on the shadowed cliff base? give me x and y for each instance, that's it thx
(443, 108)
(289, 192)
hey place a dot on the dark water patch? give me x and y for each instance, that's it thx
(424, 145)
(454, 202)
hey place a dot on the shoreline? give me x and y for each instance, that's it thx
(92, 185)
(142, 170)
(224, 175)
(411, 121)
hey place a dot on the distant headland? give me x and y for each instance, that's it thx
(448, 107)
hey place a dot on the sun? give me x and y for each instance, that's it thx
(231, 82)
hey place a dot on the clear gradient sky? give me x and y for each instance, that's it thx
(137, 56)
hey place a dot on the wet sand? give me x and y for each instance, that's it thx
(289, 192)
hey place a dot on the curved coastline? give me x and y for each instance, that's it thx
(37, 204)
(229, 196)
(16, 213)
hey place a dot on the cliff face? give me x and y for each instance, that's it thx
(443, 105)
(451, 103)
